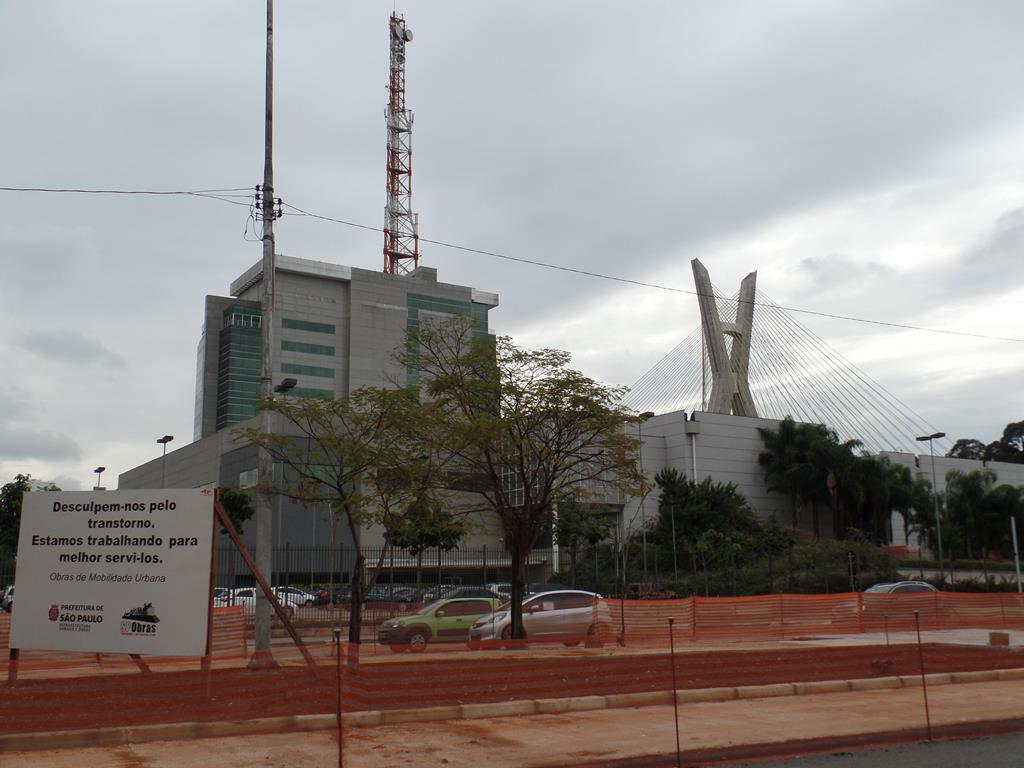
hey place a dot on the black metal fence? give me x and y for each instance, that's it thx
(307, 565)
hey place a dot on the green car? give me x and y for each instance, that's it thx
(439, 622)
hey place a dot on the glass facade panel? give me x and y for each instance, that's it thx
(305, 325)
(310, 392)
(238, 367)
(455, 307)
(311, 349)
(307, 370)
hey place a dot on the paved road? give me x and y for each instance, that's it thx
(992, 752)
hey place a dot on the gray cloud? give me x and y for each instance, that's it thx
(43, 445)
(606, 137)
(67, 346)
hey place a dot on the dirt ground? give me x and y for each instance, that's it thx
(546, 741)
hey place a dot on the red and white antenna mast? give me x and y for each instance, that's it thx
(401, 225)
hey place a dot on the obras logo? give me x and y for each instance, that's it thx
(140, 622)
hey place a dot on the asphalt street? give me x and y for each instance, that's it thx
(1002, 751)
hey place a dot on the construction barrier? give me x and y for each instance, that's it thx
(775, 617)
(64, 692)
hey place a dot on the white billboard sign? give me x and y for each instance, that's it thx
(114, 571)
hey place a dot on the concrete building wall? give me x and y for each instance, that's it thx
(726, 448)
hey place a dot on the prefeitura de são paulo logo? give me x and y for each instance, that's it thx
(54, 612)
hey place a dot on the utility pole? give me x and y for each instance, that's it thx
(264, 465)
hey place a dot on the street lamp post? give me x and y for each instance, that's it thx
(163, 461)
(99, 478)
(643, 515)
(935, 496)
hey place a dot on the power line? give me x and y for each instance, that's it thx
(216, 194)
(657, 286)
(127, 191)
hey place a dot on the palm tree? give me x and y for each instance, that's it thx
(781, 460)
(810, 464)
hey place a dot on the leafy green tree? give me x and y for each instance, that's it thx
(1008, 448)
(238, 506)
(11, 496)
(688, 510)
(426, 525)
(532, 429)
(967, 448)
(966, 508)
(783, 462)
(875, 488)
(353, 454)
(576, 524)
(809, 464)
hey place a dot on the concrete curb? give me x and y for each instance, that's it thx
(105, 737)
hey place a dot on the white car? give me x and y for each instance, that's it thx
(298, 596)
(571, 614)
(246, 597)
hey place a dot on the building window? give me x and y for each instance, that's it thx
(310, 392)
(310, 349)
(305, 325)
(307, 370)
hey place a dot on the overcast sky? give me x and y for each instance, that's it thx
(866, 158)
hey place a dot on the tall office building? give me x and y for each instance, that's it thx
(338, 328)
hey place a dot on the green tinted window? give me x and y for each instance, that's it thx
(310, 392)
(310, 349)
(305, 325)
(307, 370)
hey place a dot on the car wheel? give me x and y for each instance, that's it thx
(417, 640)
(506, 633)
(592, 634)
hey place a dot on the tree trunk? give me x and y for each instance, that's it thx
(518, 552)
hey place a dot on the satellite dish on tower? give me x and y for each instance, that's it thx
(408, 35)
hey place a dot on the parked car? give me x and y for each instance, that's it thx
(901, 587)
(431, 594)
(889, 602)
(472, 591)
(339, 595)
(221, 593)
(246, 597)
(299, 596)
(501, 588)
(441, 621)
(391, 593)
(534, 588)
(566, 613)
(7, 600)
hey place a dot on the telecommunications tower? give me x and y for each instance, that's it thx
(401, 227)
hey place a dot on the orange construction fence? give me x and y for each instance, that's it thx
(785, 616)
